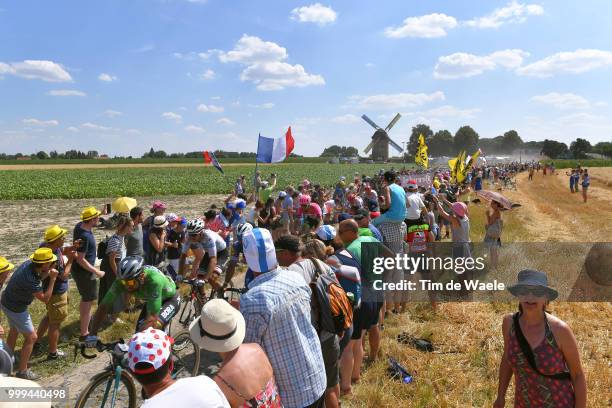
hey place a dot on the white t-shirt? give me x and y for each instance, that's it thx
(414, 203)
(192, 392)
(211, 242)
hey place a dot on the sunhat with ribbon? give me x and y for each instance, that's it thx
(43, 255)
(220, 328)
(54, 233)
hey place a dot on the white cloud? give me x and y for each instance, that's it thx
(275, 76)
(315, 13)
(42, 123)
(172, 116)
(346, 119)
(226, 122)
(66, 92)
(513, 12)
(208, 75)
(563, 100)
(215, 98)
(449, 111)
(47, 71)
(266, 105)
(428, 26)
(369, 64)
(107, 77)
(395, 101)
(72, 129)
(575, 62)
(94, 126)
(194, 129)
(112, 113)
(251, 50)
(265, 66)
(464, 65)
(210, 108)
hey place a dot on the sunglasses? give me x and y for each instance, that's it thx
(130, 283)
(535, 291)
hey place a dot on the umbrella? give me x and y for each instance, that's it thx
(124, 204)
(497, 197)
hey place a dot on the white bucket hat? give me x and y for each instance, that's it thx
(220, 328)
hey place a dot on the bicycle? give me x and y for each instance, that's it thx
(191, 305)
(115, 386)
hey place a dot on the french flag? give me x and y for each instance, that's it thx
(209, 158)
(271, 150)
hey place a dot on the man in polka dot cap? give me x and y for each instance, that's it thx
(152, 347)
(150, 361)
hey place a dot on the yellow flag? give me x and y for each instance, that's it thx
(461, 167)
(474, 159)
(421, 158)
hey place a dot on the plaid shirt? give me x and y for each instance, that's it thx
(277, 313)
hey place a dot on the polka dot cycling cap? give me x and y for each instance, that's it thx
(150, 346)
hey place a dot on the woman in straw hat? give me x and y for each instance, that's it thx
(540, 350)
(24, 286)
(245, 376)
(5, 270)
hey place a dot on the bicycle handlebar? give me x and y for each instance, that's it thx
(100, 347)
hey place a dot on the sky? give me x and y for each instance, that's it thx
(123, 76)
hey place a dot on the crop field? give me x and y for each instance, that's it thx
(112, 182)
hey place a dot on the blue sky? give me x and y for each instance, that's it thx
(182, 75)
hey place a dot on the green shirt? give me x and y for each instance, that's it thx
(355, 249)
(156, 288)
(365, 232)
(265, 193)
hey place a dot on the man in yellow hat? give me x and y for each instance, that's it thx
(57, 307)
(24, 286)
(84, 272)
(5, 268)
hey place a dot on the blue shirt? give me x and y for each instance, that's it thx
(19, 292)
(60, 286)
(397, 211)
(376, 232)
(88, 245)
(277, 313)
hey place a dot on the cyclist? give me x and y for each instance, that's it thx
(237, 250)
(146, 283)
(208, 247)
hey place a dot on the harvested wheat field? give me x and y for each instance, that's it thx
(463, 372)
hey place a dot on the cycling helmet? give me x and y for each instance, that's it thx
(130, 267)
(241, 204)
(243, 228)
(305, 199)
(195, 226)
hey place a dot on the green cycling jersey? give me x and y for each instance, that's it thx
(156, 288)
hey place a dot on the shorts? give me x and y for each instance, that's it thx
(222, 257)
(87, 287)
(330, 349)
(20, 321)
(168, 310)
(57, 308)
(365, 318)
(344, 341)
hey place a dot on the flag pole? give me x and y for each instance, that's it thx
(256, 167)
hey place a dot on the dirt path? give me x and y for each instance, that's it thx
(551, 213)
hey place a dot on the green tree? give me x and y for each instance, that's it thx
(604, 148)
(441, 143)
(579, 148)
(466, 139)
(42, 155)
(413, 142)
(335, 150)
(553, 149)
(511, 141)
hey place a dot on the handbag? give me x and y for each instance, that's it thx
(528, 352)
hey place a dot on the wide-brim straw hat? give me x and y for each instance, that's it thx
(220, 328)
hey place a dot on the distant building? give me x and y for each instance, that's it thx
(24, 158)
(102, 157)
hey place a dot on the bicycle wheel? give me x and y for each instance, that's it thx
(101, 389)
(186, 354)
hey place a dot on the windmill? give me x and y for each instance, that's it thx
(381, 140)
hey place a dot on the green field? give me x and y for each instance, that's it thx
(223, 160)
(109, 182)
(570, 164)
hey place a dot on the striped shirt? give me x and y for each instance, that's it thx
(277, 313)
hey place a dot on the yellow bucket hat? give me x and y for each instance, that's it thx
(54, 233)
(43, 255)
(89, 213)
(5, 265)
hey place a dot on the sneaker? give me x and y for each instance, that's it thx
(36, 348)
(27, 375)
(56, 355)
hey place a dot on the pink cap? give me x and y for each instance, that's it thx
(460, 209)
(304, 199)
(158, 204)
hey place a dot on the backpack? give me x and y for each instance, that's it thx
(416, 237)
(329, 303)
(101, 250)
(343, 273)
